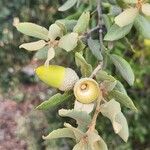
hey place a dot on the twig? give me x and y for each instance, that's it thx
(93, 122)
(99, 67)
(100, 21)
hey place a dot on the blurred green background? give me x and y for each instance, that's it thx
(21, 127)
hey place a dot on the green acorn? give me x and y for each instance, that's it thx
(86, 90)
(57, 76)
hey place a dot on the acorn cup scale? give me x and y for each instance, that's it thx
(57, 76)
(87, 90)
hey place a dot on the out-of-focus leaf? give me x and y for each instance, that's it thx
(82, 23)
(54, 32)
(86, 68)
(33, 30)
(124, 68)
(126, 17)
(67, 5)
(115, 32)
(94, 46)
(33, 46)
(41, 53)
(146, 9)
(60, 133)
(107, 21)
(122, 98)
(83, 119)
(50, 55)
(143, 26)
(130, 1)
(112, 111)
(55, 101)
(68, 24)
(68, 42)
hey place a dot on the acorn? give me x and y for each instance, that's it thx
(57, 76)
(87, 90)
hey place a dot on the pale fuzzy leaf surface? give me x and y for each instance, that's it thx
(81, 146)
(96, 142)
(126, 17)
(50, 55)
(68, 42)
(60, 133)
(83, 119)
(33, 46)
(124, 132)
(146, 9)
(67, 5)
(92, 142)
(88, 108)
(122, 98)
(124, 68)
(55, 100)
(94, 46)
(110, 110)
(54, 32)
(85, 68)
(83, 23)
(78, 133)
(33, 30)
(115, 32)
(143, 26)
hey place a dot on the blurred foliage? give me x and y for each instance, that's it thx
(12, 59)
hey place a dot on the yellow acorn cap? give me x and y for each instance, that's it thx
(57, 76)
(86, 90)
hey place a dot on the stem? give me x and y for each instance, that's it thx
(93, 122)
(102, 48)
(99, 67)
(100, 20)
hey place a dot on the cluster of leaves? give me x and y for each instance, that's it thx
(75, 36)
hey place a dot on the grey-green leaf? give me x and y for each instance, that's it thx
(86, 68)
(143, 26)
(122, 98)
(41, 53)
(55, 100)
(83, 23)
(67, 5)
(94, 46)
(120, 87)
(60, 133)
(69, 41)
(68, 24)
(124, 68)
(33, 30)
(115, 32)
(83, 119)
